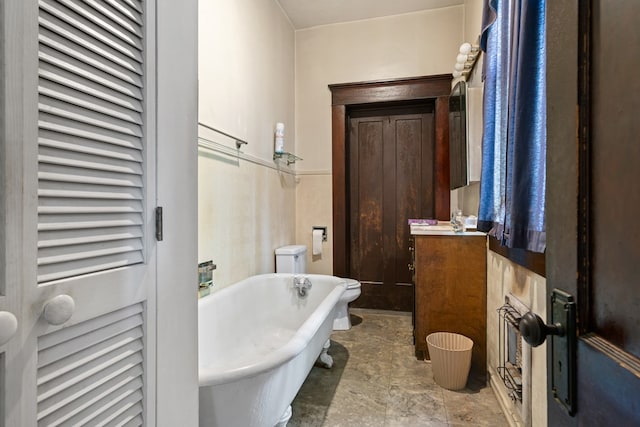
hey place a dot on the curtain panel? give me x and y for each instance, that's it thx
(512, 185)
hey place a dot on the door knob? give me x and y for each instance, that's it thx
(59, 309)
(8, 326)
(534, 331)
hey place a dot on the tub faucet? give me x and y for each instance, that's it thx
(302, 284)
(205, 277)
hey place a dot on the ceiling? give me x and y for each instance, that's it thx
(310, 13)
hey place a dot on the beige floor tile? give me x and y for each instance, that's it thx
(477, 408)
(407, 368)
(415, 404)
(358, 403)
(376, 381)
(307, 415)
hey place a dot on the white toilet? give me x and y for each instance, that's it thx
(293, 259)
(342, 322)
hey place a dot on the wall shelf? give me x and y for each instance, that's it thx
(288, 157)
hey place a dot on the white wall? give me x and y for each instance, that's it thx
(504, 276)
(472, 20)
(408, 45)
(246, 84)
(246, 71)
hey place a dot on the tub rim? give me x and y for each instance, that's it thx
(293, 347)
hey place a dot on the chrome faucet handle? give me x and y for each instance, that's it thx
(302, 284)
(298, 281)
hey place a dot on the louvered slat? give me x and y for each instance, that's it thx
(100, 82)
(134, 4)
(57, 367)
(119, 10)
(89, 101)
(89, 32)
(115, 22)
(73, 114)
(87, 161)
(81, 130)
(70, 206)
(90, 173)
(129, 418)
(104, 150)
(56, 189)
(62, 335)
(92, 373)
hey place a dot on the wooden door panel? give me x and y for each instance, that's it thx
(391, 167)
(367, 198)
(615, 152)
(414, 197)
(608, 386)
(389, 219)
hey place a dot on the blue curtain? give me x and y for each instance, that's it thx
(512, 186)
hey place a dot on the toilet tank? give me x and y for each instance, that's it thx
(291, 259)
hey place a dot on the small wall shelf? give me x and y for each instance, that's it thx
(290, 158)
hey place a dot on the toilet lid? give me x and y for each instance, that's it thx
(352, 283)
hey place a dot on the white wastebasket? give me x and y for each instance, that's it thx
(450, 359)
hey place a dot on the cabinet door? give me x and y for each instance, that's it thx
(78, 173)
(451, 292)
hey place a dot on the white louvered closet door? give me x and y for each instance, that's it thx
(78, 209)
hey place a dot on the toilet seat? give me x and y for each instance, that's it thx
(352, 284)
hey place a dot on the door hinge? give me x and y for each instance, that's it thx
(159, 223)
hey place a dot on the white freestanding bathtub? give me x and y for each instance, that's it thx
(258, 340)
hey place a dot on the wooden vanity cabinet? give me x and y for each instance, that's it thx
(451, 292)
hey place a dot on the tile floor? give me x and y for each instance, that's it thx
(377, 381)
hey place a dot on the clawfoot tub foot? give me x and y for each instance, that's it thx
(285, 418)
(325, 360)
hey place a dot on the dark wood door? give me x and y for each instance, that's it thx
(605, 251)
(390, 170)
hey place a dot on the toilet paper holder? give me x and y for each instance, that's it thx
(324, 231)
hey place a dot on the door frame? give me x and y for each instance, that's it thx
(177, 193)
(346, 95)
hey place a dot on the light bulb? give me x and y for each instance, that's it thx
(461, 58)
(457, 73)
(465, 48)
(458, 66)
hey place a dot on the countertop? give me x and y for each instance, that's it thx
(444, 228)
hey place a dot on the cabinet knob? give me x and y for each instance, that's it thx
(8, 326)
(59, 309)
